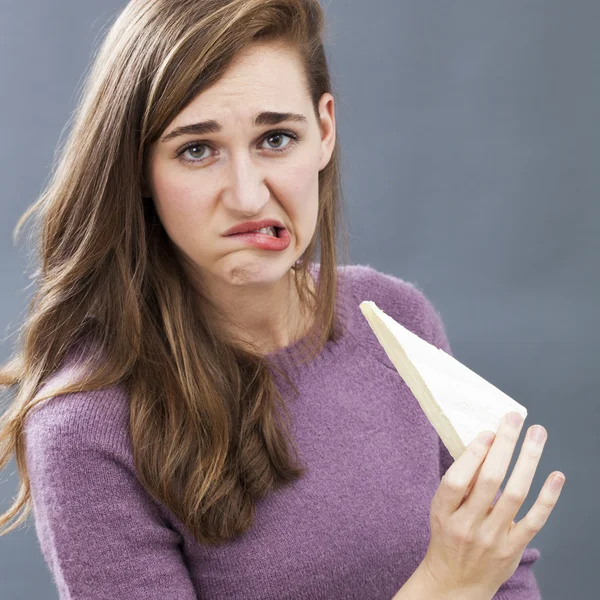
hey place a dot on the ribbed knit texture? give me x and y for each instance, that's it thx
(355, 527)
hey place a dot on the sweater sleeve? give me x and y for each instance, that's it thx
(101, 535)
(523, 584)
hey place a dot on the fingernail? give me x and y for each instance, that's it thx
(514, 419)
(487, 437)
(538, 434)
(556, 483)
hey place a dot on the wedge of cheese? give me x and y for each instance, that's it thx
(459, 403)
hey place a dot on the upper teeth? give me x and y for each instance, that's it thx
(267, 230)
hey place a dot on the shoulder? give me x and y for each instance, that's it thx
(402, 300)
(71, 422)
(84, 486)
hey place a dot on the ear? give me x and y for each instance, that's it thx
(327, 118)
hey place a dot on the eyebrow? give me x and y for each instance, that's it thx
(211, 126)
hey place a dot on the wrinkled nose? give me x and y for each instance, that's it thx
(245, 189)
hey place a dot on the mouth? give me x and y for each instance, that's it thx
(280, 241)
(277, 231)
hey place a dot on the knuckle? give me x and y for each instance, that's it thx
(464, 535)
(547, 503)
(487, 540)
(516, 497)
(508, 436)
(490, 479)
(534, 452)
(534, 525)
(533, 522)
(478, 451)
(508, 553)
(467, 539)
(453, 483)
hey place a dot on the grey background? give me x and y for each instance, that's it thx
(470, 136)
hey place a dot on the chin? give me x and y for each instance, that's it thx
(256, 272)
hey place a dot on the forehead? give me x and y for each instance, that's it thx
(264, 77)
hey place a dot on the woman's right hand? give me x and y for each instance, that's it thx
(475, 547)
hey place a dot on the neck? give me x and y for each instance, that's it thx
(277, 324)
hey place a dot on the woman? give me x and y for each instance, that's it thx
(164, 347)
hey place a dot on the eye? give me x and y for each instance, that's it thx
(293, 137)
(279, 134)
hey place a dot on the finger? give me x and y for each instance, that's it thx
(493, 470)
(473, 482)
(456, 480)
(528, 527)
(519, 484)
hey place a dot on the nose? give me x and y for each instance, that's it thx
(245, 190)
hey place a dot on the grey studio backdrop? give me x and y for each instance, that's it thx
(470, 135)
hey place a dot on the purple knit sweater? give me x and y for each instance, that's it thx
(355, 527)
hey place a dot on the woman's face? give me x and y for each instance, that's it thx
(203, 184)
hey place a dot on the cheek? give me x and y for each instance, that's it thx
(300, 185)
(180, 207)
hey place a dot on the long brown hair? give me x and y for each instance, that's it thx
(203, 411)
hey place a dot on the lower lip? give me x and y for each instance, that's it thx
(265, 241)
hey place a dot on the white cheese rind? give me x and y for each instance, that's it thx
(458, 402)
